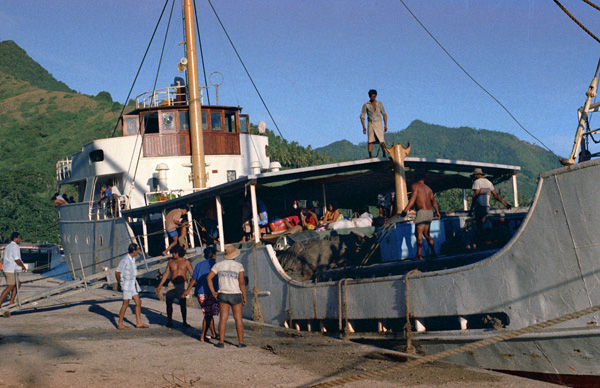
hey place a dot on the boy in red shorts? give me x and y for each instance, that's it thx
(209, 305)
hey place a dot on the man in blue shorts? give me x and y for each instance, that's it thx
(173, 221)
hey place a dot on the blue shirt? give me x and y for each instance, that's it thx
(200, 272)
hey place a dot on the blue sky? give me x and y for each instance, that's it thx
(314, 61)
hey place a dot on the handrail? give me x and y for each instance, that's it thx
(164, 97)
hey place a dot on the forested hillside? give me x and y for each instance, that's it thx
(41, 120)
(464, 143)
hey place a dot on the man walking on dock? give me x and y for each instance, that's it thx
(374, 111)
(126, 275)
(12, 260)
(423, 197)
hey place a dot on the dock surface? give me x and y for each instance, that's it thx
(73, 341)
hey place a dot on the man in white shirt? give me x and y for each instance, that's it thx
(126, 275)
(10, 264)
(482, 188)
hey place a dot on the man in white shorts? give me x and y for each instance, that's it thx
(126, 275)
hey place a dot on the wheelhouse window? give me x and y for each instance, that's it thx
(204, 124)
(168, 121)
(130, 125)
(230, 122)
(151, 122)
(243, 123)
(184, 121)
(215, 121)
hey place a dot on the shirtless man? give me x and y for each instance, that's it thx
(173, 221)
(423, 197)
(178, 267)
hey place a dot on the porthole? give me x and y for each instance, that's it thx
(87, 240)
(100, 240)
(75, 239)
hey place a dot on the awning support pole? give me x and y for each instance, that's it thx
(515, 191)
(255, 226)
(220, 223)
(324, 199)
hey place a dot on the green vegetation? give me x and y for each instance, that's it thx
(42, 120)
(291, 155)
(436, 141)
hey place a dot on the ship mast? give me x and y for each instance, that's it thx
(583, 116)
(196, 139)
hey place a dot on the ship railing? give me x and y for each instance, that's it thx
(170, 96)
(104, 210)
(165, 195)
(63, 168)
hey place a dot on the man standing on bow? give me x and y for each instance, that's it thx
(374, 111)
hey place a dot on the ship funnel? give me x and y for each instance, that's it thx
(182, 65)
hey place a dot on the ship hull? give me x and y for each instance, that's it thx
(548, 269)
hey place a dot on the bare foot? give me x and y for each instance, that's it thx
(123, 327)
(165, 253)
(142, 326)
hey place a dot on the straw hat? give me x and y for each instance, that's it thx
(478, 171)
(231, 252)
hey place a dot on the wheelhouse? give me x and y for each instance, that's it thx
(167, 129)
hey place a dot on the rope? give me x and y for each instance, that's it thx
(460, 349)
(201, 53)
(247, 72)
(140, 68)
(577, 21)
(407, 326)
(162, 52)
(592, 4)
(473, 79)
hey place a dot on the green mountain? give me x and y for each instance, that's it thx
(464, 143)
(41, 120)
(15, 61)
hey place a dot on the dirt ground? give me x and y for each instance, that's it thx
(73, 342)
